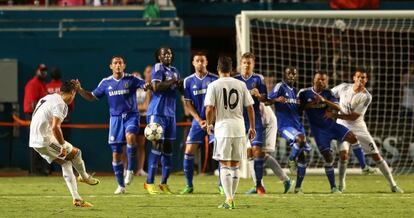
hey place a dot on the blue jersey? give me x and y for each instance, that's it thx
(287, 113)
(315, 112)
(163, 102)
(254, 81)
(121, 93)
(195, 90)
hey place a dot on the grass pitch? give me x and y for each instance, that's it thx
(366, 196)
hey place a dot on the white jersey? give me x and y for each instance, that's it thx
(50, 106)
(229, 96)
(269, 121)
(351, 101)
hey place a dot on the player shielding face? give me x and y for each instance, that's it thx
(225, 101)
(257, 88)
(47, 139)
(354, 100)
(195, 87)
(315, 101)
(165, 80)
(283, 96)
(120, 89)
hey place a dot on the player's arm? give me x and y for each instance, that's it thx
(159, 86)
(143, 107)
(252, 127)
(57, 133)
(85, 94)
(336, 115)
(210, 111)
(190, 107)
(330, 104)
(279, 99)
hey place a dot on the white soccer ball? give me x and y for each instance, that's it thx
(340, 24)
(153, 131)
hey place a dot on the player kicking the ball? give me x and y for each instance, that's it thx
(225, 101)
(47, 139)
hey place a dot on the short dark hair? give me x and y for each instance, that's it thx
(224, 64)
(361, 69)
(200, 53)
(248, 55)
(117, 56)
(320, 72)
(67, 87)
(55, 74)
(158, 52)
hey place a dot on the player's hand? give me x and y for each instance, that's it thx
(251, 133)
(147, 86)
(255, 92)
(63, 152)
(77, 84)
(210, 129)
(281, 99)
(179, 83)
(203, 124)
(319, 98)
(329, 114)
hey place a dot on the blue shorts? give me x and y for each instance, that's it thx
(120, 125)
(196, 135)
(258, 141)
(168, 125)
(323, 137)
(290, 134)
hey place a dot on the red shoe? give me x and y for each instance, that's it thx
(260, 190)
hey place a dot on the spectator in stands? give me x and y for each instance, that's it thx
(407, 103)
(54, 87)
(34, 90)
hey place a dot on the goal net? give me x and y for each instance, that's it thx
(337, 42)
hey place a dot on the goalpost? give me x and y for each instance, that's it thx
(337, 42)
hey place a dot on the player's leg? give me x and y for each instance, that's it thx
(194, 139)
(342, 165)
(141, 155)
(75, 156)
(131, 125)
(166, 155)
(301, 162)
(357, 149)
(116, 141)
(371, 149)
(329, 169)
(291, 134)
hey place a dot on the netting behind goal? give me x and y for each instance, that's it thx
(337, 42)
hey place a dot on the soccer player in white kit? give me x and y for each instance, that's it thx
(354, 100)
(225, 101)
(47, 139)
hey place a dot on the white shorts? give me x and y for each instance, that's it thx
(229, 148)
(270, 135)
(52, 152)
(365, 140)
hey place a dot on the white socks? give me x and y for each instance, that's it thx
(70, 179)
(385, 170)
(229, 180)
(79, 165)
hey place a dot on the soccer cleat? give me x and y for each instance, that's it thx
(120, 190)
(368, 170)
(341, 188)
(164, 188)
(90, 180)
(335, 190)
(129, 177)
(299, 191)
(187, 190)
(397, 189)
(287, 185)
(260, 190)
(221, 190)
(150, 188)
(292, 167)
(141, 173)
(251, 191)
(81, 203)
(227, 205)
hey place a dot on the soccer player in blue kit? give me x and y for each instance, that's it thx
(315, 101)
(255, 84)
(283, 96)
(165, 80)
(120, 89)
(195, 88)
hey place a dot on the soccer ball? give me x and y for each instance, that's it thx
(153, 131)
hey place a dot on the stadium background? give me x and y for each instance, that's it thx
(207, 27)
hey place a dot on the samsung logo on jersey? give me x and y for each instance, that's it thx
(118, 92)
(199, 92)
(291, 100)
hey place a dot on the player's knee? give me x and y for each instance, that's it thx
(131, 139)
(351, 138)
(73, 153)
(343, 155)
(300, 139)
(376, 157)
(257, 152)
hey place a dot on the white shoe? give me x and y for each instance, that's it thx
(129, 177)
(120, 190)
(141, 173)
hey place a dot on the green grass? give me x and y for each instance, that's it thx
(366, 196)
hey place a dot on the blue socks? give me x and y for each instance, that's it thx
(152, 165)
(131, 155)
(359, 155)
(301, 174)
(330, 173)
(119, 173)
(166, 162)
(189, 168)
(258, 169)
